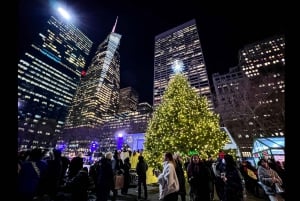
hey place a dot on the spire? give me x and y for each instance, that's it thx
(113, 30)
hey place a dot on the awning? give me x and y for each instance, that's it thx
(267, 143)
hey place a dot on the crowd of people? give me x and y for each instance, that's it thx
(42, 175)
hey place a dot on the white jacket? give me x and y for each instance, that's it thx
(168, 181)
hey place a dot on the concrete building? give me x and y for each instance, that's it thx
(251, 97)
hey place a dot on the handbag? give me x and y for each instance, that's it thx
(278, 188)
(119, 181)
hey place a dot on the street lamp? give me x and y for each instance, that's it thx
(120, 139)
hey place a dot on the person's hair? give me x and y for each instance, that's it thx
(126, 159)
(230, 162)
(56, 153)
(140, 158)
(35, 154)
(262, 160)
(108, 155)
(194, 156)
(170, 158)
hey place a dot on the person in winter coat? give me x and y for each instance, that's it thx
(141, 169)
(105, 178)
(200, 178)
(126, 167)
(79, 185)
(268, 177)
(180, 176)
(233, 181)
(168, 181)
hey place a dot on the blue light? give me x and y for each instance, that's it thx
(120, 142)
(94, 146)
(61, 147)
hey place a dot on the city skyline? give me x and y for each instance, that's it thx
(221, 32)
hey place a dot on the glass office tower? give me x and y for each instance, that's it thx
(48, 75)
(180, 45)
(98, 92)
(96, 98)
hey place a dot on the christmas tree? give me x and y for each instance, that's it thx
(182, 123)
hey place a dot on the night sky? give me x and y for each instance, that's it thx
(223, 30)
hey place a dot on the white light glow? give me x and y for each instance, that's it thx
(64, 13)
(177, 66)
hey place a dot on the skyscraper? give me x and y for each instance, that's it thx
(129, 99)
(251, 97)
(98, 92)
(48, 74)
(180, 47)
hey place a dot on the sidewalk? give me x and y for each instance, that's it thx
(153, 195)
(133, 192)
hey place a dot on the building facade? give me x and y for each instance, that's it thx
(122, 129)
(251, 97)
(98, 92)
(48, 74)
(129, 99)
(263, 63)
(180, 46)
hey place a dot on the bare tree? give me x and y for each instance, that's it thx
(253, 108)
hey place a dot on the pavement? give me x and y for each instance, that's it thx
(153, 193)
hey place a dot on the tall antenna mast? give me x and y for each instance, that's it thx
(113, 30)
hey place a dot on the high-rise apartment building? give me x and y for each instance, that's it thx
(98, 92)
(180, 47)
(48, 75)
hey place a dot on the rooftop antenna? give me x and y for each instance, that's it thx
(113, 30)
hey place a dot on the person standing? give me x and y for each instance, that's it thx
(105, 178)
(180, 176)
(118, 169)
(79, 185)
(219, 168)
(168, 181)
(200, 178)
(127, 167)
(141, 169)
(233, 181)
(76, 164)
